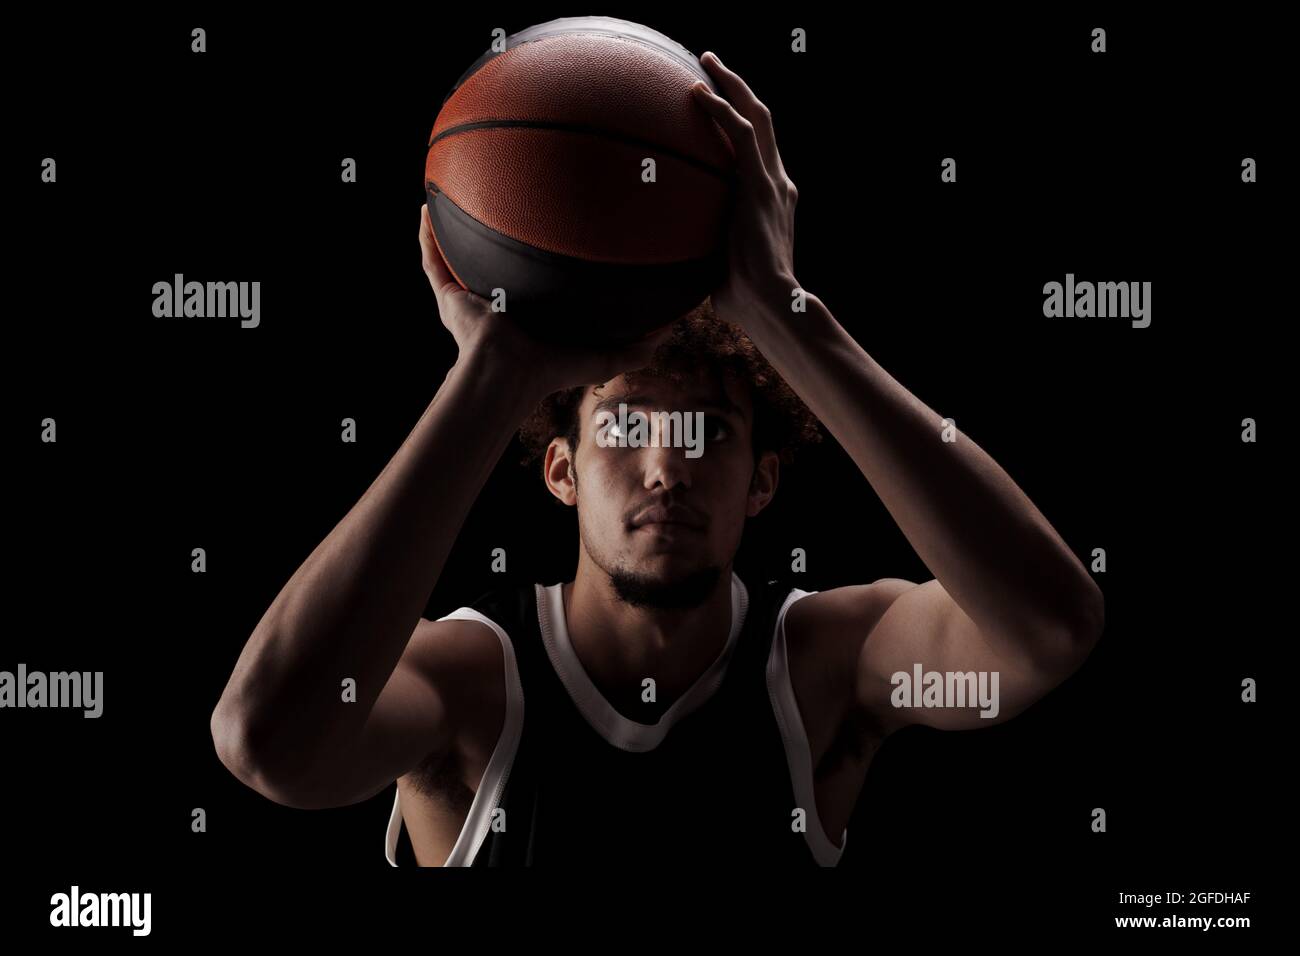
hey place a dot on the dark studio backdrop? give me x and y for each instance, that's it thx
(183, 434)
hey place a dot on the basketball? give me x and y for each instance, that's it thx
(572, 170)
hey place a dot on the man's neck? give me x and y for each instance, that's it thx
(620, 645)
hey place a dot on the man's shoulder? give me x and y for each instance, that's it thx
(851, 603)
(503, 603)
(826, 632)
(772, 584)
(462, 636)
(838, 620)
(452, 648)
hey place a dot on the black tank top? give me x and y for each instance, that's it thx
(717, 779)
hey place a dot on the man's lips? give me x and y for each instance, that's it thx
(671, 517)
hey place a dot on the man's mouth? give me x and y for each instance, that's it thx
(666, 526)
(673, 516)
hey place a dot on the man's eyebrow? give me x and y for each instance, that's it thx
(700, 402)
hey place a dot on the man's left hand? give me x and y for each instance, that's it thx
(760, 255)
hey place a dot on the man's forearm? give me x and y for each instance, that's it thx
(351, 608)
(977, 532)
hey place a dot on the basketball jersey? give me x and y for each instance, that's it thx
(719, 778)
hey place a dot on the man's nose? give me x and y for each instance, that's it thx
(666, 466)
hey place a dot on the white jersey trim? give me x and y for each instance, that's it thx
(625, 733)
(797, 751)
(591, 703)
(491, 788)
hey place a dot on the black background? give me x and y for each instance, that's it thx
(176, 434)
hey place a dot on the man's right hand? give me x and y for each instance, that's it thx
(544, 367)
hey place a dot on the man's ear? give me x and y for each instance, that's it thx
(558, 473)
(762, 485)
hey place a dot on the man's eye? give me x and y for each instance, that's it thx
(716, 428)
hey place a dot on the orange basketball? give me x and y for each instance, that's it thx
(574, 171)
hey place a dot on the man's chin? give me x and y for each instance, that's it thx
(643, 587)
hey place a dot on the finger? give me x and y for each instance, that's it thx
(739, 130)
(440, 277)
(749, 106)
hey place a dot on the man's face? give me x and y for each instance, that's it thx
(663, 522)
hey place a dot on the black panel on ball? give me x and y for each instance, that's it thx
(563, 297)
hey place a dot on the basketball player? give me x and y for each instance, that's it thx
(656, 707)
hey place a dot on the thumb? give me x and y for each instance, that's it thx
(435, 267)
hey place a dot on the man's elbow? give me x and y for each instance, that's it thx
(246, 753)
(236, 749)
(231, 741)
(1057, 650)
(1084, 630)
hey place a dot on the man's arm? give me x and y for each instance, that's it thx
(879, 630)
(352, 610)
(1008, 593)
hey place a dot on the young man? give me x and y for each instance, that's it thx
(655, 708)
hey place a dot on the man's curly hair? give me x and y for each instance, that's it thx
(699, 339)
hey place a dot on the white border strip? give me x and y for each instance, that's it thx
(797, 752)
(622, 732)
(492, 786)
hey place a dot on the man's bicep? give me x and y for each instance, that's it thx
(925, 662)
(413, 718)
(410, 722)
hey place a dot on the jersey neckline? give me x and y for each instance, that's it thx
(614, 727)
